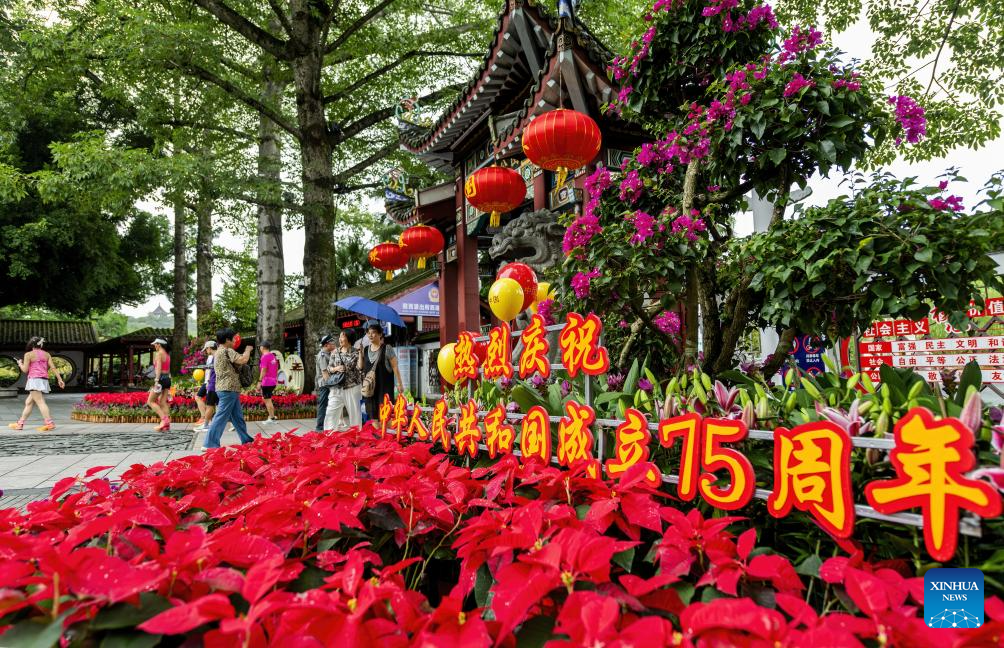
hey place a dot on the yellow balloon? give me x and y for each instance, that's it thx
(506, 299)
(543, 292)
(446, 361)
(198, 375)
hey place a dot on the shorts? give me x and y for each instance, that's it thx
(266, 392)
(37, 384)
(202, 392)
(165, 381)
(212, 400)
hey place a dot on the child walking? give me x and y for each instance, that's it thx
(37, 363)
(161, 390)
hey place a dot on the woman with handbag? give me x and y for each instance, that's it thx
(345, 384)
(378, 363)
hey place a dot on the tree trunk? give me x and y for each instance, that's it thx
(180, 297)
(204, 261)
(271, 270)
(317, 178)
(692, 291)
(780, 355)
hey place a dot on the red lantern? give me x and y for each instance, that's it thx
(421, 242)
(389, 257)
(562, 140)
(524, 276)
(495, 189)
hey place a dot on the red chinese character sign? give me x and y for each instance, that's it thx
(466, 361)
(811, 462)
(535, 349)
(580, 346)
(703, 450)
(931, 459)
(812, 473)
(498, 363)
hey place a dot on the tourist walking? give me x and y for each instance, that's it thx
(320, 378)
(37, 363)
(344, 395)
(380, 358)
(160, 393)
(268, 377)
(228, 389)
(202, 398)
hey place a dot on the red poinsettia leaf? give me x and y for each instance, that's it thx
(95, 470)
(741, 614)
(727, 579)
(185, 617)
(778, 570)
(107, 577)
(642, 511)
(62, 486)
(745, 543)
(261, 578)
(801, 613)
(637, 586)
(994, 608)
(224, 579)
(868, 592)
(244, 550)
(833, 570)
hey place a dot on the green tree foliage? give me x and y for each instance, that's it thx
(70, 250)
(943, 52)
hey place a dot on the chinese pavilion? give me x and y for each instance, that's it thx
(537, 62)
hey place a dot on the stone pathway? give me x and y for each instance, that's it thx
(31, 462)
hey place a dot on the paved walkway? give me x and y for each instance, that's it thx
(31, 462)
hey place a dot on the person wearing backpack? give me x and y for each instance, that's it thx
(232, 372)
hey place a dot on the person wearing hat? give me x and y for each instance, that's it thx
(321, 378)
(37, 363)
(161, 390)
(203, 397)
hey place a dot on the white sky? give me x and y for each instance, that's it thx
(975, 165)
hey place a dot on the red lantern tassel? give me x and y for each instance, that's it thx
(495, 219)
(562, 176)
(421, 263)
(390, 275)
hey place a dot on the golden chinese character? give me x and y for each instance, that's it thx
(812, 473)
(580, 346)
(499, 435)
(535, 435)
(400, 419)
(384, 413)
(498, 364)
(417, 427)
(575, 439)
(468, 433)
(931, 458)
(535, 349)
(631, 439)
(438, 430)
(466, 362)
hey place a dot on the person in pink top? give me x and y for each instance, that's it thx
(160, 393)
(268, 377)
(37, 363)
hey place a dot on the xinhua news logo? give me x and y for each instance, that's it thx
(953, 597)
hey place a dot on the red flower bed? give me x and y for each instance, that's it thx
(132, 406)
(348, 540)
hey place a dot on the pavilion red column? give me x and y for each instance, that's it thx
(469, 301)
(540, 191)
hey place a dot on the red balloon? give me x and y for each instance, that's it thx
(237, 340)
(480, 348)
(525, 277)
